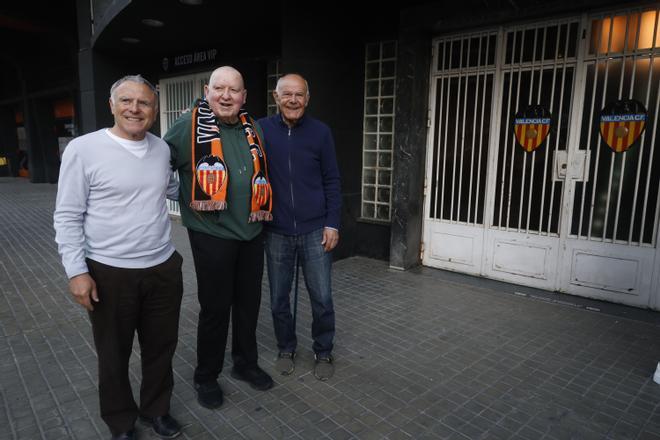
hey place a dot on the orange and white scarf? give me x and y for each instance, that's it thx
(210, 172)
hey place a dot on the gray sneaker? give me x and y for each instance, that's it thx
(285, 363)
(324, 368)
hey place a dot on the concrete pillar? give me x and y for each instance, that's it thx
(410, 132)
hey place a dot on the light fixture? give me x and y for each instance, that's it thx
(152, 22)
(130, 40)
(192, 2)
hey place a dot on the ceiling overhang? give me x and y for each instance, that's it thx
(128, 28)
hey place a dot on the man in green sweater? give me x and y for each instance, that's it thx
(224, 196)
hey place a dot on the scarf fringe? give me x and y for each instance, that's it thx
(260, 216)
(208, 205)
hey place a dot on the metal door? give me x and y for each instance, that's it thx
(464, 70)
(569, 215)
(538, 66)
(610, 251)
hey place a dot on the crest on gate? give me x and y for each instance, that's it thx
(211, 174)
(622, 123)
(531, 126)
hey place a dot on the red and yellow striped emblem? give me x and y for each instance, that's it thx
(531, 132)
(622, 123)
(531, 126)
(621, 131)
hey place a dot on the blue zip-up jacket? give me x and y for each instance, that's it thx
(303, 172)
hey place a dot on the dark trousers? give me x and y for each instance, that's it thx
(229, 276)
(147, 300)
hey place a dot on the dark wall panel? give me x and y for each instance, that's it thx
(8, 141)
(328, 50)
(373, 240)
(43, 152)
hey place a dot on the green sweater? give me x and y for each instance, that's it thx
(231, 223)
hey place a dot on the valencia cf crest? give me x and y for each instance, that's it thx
(622, 123)
(211, 174)
(260, 189)
(531, 126)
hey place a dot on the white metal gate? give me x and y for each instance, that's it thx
(461, 101)
(176, 96)
(572, 215)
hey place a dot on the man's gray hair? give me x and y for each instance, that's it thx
(136, 79)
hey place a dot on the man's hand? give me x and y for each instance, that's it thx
(330, 239)
(83, 287)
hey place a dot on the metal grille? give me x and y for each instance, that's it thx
(176, 96)
(620, 202)
(463, 91)
(271, 82)
(538, 69)
(378, 130)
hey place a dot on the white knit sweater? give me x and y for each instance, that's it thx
(111, 205)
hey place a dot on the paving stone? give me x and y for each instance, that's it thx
(340, 434)
(420, 354)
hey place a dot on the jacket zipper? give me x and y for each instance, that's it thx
(293, 204)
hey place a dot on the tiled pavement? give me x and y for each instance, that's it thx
(421, 354)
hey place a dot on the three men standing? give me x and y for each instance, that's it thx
(113, 233)
(305, 226)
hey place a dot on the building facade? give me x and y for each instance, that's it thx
(503, 139)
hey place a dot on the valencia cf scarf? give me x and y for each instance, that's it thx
(210, 172)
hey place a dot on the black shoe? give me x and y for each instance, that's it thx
(129, 435)
(163, 426)
(256, 377)
(209, 394)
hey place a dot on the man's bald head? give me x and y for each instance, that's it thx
(226, 71)
(294, 79)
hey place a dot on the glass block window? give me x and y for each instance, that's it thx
(378, 130)
(271, 82)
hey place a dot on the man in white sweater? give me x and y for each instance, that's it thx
(113, 233)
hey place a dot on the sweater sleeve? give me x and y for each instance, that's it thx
(70, 209)
(331, 182)
(173, 186)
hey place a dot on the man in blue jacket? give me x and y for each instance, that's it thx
(306, 212)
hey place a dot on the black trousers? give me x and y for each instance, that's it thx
(147, 300)
(229, 276)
